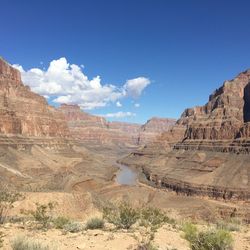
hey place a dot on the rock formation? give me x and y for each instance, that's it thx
(153, 128)
(36, 148)
(207, 151)
(25, 113)
(97, 130)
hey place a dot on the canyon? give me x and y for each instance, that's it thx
(97, 130)
(58, 149)
(71, 156)
(206, 153)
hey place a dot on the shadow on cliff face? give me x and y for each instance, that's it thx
(246, 108)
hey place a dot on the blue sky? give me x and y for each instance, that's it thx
(186, 49)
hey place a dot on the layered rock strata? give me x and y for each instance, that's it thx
(25, 113)
(153, 128)
(97, 130)
(207, 151)
(35, 143)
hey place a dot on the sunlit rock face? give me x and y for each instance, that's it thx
(23, 112)
(97, 130)
(153, 128)
(225, 113)
(207, 151)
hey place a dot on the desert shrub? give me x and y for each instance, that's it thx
(42, 214)
(24, 243)
(95, 223)
(216, 239)
(73, 227)
(190, 232)
(123, 216)
(60, 222)
(154, 218)
(7, 199)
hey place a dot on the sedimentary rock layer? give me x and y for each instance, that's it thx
(207, 151)
(36, 148)
(97, 130)
(153, 128)
(25, 113)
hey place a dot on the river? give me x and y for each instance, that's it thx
(126, 176)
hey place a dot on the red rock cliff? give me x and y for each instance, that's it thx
(95, 129)
(224, 115)
(207, 152)
(23, 112)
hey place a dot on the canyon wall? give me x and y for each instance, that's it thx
(25, 113)
(37, 151)
(207, 151)
(97, 130)
(153, 128)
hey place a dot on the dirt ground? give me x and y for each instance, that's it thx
(166, 237)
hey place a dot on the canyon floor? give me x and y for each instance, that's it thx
(105, 181)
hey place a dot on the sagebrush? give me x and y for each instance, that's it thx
(42, 214)
(210, 239)
(73, 227)
(95, 223)
(122, 216)
(154, 218)
(60, 222)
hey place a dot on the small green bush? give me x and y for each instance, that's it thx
(190, 232)
(215, 239)
(24, 243)
(42, 214)
(73, 227)
(60, 222)
(154, 218)
(95, 223)
(123, 216)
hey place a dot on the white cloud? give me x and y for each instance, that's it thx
(134, 87)
(119, 114)
(118, 104)
(137, 105)
(66, 83)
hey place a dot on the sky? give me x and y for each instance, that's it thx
(126, 60)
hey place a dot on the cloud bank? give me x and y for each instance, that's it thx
(66, 83)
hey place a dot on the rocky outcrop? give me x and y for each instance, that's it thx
(97, 130)
(37, 151)
(206, 152)
(153, 128)
(25, 113)
(225, 113)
